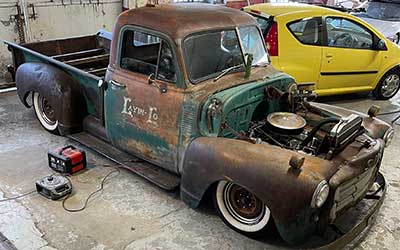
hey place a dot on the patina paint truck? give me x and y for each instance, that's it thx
(166, 95)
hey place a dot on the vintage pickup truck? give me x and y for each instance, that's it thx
(185, 96)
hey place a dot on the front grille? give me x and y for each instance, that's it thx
(353, 189)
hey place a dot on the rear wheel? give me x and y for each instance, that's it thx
(45, 113)
(388, 85)
(240, 209)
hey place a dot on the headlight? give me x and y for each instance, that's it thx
(320, 194)
(388, 136)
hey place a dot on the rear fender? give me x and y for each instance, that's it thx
(59, 88)
(262, 169)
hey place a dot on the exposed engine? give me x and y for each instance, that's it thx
(294, 130)
(282, 129)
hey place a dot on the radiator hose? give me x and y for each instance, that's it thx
(318, 127)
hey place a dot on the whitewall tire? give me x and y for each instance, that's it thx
(45, 113)
(240, 209)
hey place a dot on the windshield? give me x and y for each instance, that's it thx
(382, 11)
(209, 54)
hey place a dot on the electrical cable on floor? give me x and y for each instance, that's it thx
(390, 113)
(116, 169)
(72, 210)
(19, 196)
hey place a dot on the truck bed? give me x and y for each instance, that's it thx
(87, 53)
(85, 58)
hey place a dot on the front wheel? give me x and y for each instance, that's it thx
(388, 85)
(240, 209)
(45, 113)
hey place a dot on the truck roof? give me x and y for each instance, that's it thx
(180, 20)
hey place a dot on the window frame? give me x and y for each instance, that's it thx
(180, 83)
(158, 64)
(320, 33)
(375, 38)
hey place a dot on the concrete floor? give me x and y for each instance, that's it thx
(131, 213)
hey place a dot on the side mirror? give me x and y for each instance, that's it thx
(381, 45)
(248, 63)
(151, 80)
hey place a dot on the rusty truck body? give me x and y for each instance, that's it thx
(168, 87)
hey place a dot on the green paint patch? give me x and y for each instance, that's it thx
(241, 105)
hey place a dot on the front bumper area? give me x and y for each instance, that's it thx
(351, 192)
(355, 176)
(354, 233)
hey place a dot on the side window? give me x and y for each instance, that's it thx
(142, 53)
(142, 39)
(307, 31)
(344, 33)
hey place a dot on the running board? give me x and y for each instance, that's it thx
(150, 172)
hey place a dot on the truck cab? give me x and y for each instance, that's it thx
(157, 74)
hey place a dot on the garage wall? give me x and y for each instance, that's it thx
(8, 31)
(49, 19)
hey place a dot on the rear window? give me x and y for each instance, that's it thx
(143, 39)
(307, 31)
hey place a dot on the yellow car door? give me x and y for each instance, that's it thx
(349, 61)
(301, 51)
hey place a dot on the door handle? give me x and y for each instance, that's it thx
(117, 84)
(328, 55)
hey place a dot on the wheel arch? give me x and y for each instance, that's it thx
(209, 160)
(60, 89)
(393, 66)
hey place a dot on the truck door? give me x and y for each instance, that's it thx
(142, 101)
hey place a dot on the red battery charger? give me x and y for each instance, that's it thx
(68, 159)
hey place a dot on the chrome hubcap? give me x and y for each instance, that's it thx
(243, 205)
(390, 85)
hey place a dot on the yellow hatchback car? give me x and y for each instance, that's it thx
(339, 52)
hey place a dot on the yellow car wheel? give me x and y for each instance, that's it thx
(388, 86)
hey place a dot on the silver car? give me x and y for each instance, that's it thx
(384, 16)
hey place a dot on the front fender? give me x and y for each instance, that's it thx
(262, 169)
(376, 128)
(59, 88)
